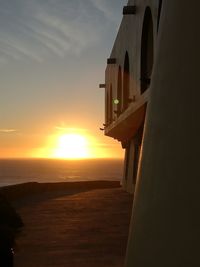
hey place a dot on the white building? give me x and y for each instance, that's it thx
(128, 78)
(152, 108)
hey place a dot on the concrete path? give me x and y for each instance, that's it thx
(85, 229)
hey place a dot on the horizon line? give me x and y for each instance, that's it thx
(46, 158)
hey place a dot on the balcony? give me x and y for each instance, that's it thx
(127, 123)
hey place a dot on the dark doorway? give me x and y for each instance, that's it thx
(137, 149)
(127, 159)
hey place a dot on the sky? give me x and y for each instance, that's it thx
(52, 58)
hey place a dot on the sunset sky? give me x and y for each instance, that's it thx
(52, 58)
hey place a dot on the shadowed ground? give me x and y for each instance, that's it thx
(84, 229)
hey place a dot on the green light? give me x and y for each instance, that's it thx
(116, 101)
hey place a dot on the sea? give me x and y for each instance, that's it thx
(16, 171)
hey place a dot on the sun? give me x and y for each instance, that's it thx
(72, 143)
(72, 146)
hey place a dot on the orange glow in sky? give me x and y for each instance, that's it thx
(51, 64)
(73, 143)
(60, 143)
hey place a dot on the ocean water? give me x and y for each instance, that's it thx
(48, 170)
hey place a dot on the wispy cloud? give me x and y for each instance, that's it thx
(38, 29)
(8, 131)
(107, 8)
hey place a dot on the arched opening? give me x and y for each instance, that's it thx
(159, 12)
(119, 91)
(107, 107)
(147, 53)
(126, 82)
(110, 105)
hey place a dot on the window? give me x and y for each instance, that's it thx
(147, 53)
(126, 82)
(119, 91)
(159, 12)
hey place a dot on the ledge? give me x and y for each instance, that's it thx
(128, 123)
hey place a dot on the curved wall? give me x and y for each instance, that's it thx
(165, 220)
